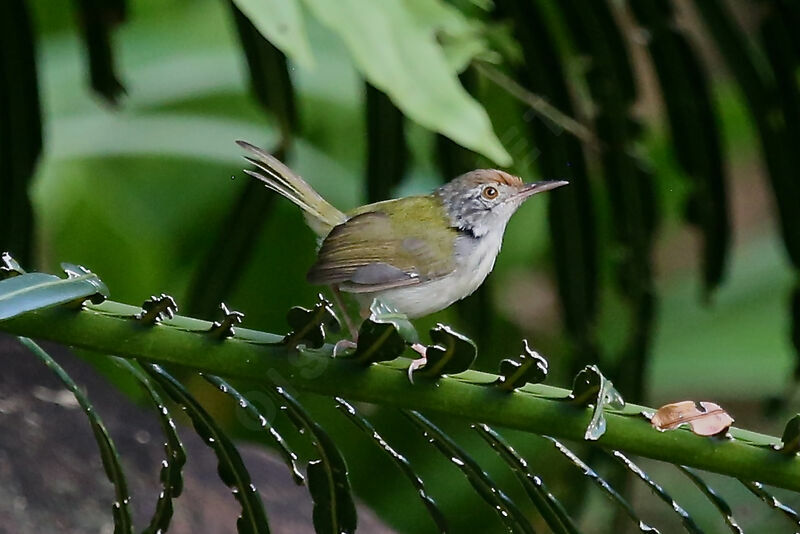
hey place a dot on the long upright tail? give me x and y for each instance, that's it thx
(320, 215)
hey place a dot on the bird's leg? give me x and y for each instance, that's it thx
(337, 299)
(344, 344)
(419, 362)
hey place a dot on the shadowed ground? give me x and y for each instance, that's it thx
(51, 477)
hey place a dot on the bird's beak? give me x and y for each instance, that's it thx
(539, 187)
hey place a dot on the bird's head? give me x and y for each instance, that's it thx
(483, 200)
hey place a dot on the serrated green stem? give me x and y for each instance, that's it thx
(535, 408)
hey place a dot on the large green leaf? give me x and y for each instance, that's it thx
(280, 21)
(33, 291)
(396, 49)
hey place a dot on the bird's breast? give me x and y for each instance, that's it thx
(474, 260)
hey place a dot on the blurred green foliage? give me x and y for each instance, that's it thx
(138, 192)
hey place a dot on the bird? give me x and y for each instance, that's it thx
(417, 254)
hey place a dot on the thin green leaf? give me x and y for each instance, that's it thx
(511, 516)
(289, 457)
(757, 489)
(718, 502)
(334, 509)
(171, 476)
(383, 335)
(451, 353)
(156, 309)
(602, 484)
(223, 329)
(9, 266)
(658, 491)
(378, 342)
(310, 326)
(98, 18)
(548, 505)
(591, 387)
(35, 291)
(383, 313)
(108, 452)
(20, 127)
(529, 367)
(364, 425)
(231, 468)
(397, 51)
(790, 441)
(282, 22)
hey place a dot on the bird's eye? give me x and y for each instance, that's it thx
(490, 193)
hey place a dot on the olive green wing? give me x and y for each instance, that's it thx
(375, 250)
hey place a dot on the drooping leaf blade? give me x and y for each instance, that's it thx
(328, 483)
(387, 153)
(289, 457)
(509, 513)
(607, 489)
(282, 22)
(364, 425)
(658, 491)
(398, 53)
(171, 476)
(757, 489)
(123, 524)
(98, 19)
(694, 130)
(231, 468)
(718, 502)
(551, 509)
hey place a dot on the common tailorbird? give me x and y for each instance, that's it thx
(417, 254)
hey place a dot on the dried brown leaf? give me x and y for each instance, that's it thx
(705, 418)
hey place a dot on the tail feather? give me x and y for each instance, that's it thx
(320, 215)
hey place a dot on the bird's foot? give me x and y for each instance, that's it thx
(419, 362)
(342, 346)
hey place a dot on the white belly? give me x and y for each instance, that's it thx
(474, 261)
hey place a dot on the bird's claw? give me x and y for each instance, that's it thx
(342, 346)
(419, 362)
